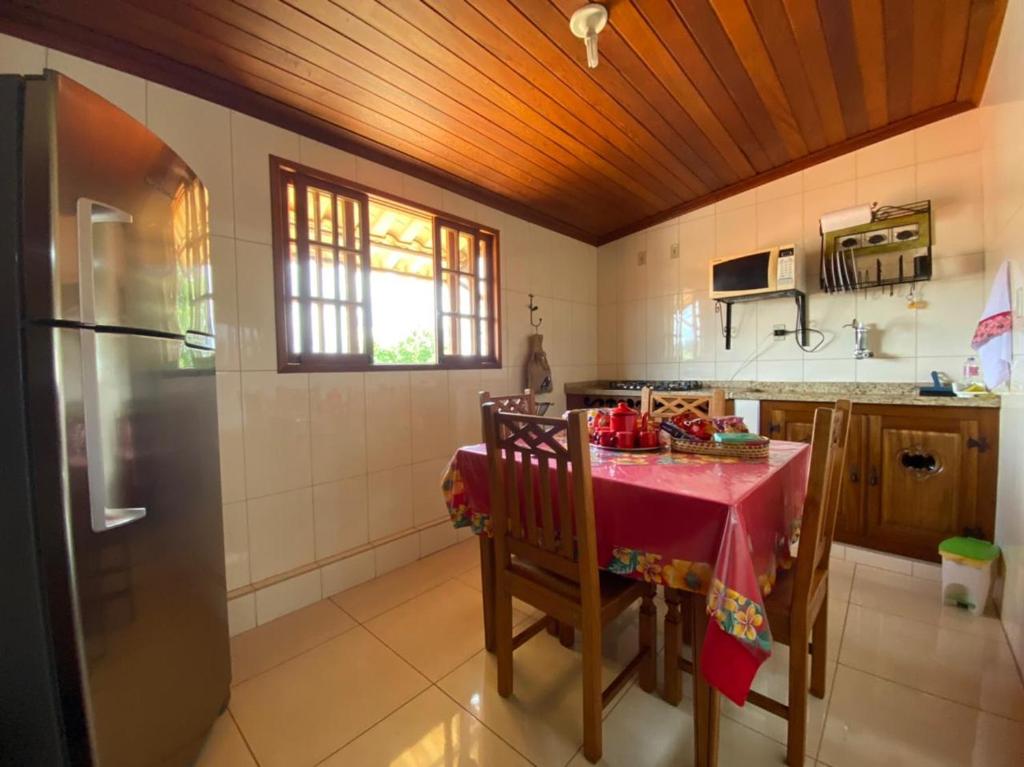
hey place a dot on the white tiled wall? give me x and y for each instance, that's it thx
(315, 466)
(656, 320)
(1002, 117)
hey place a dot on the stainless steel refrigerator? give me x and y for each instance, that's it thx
(113, 613)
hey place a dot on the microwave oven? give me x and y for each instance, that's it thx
(763, 271)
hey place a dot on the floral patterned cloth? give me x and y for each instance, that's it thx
(990, 327)
(677, 573)
(720, 527)
(459, 509)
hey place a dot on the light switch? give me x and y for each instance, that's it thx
(673, 250)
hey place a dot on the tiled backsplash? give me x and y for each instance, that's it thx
(656, 320)
(330, 479)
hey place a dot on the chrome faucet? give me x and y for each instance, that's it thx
(860, 340)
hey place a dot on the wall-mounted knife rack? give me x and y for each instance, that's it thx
(895, 248)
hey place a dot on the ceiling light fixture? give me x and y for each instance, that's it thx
(585, 23)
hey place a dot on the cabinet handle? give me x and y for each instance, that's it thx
(873, 477)
(774, 428)
(855, 475)
(981, 444)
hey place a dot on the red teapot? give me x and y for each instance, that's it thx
(623, 418)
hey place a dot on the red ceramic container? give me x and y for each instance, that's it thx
(623, 418)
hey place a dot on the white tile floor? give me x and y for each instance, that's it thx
(393, 673)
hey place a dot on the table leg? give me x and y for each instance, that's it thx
(487, 587)
(674, 599)
(706, 701)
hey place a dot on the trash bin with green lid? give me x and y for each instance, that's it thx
(967, 572)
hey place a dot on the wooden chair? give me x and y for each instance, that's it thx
(666, 405)
(512, 403)
(542, 515)
(797, 608)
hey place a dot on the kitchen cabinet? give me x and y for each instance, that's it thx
(915, 474)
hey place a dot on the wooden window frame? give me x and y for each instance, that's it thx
(282, 169)
(492, 320)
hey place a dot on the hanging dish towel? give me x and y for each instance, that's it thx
(993, 339)
(538, 371)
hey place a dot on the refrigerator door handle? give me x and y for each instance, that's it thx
(102, 516)
(91, 212)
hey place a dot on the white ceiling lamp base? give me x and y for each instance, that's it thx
(586, 23)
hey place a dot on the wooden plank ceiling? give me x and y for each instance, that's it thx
(693, 99)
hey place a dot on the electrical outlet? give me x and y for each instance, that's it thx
(641, 258)
(779, 331)
(673, 250)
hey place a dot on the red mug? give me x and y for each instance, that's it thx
(606, 438)
(626, 439)
(648, 439)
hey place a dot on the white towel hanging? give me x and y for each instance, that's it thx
(993, 339)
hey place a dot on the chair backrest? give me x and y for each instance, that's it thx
(824, 494)
(525, 402)
(837, 470)
(542, 502)
(667, 405)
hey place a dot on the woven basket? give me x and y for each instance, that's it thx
(756, 451)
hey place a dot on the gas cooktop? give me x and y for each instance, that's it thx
(633, 385)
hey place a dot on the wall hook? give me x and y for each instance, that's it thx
(533, 308)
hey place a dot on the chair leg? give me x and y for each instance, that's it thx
(552, 627)
(797, 730)
(688, 626)
(819, 651)
(648, 642)
(564, 631)
(567, 635)
(487, 588)
(592, 689)
(503, 638)
(673, 692)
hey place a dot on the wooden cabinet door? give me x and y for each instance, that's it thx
(794, 421)
(914, 474)
(791, 421)
(923, 481)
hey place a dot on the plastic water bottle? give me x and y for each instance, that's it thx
(972, 371)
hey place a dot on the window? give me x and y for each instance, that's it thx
(190, 230)
(368, 282)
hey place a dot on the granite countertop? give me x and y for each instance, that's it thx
(867, 393)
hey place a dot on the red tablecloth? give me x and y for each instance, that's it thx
(720, 527)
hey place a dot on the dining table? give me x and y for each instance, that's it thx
(713, 531)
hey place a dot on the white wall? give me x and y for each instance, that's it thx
(645, 312)
(331, 479)
(1002, 119)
